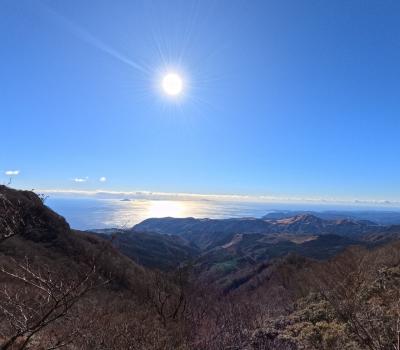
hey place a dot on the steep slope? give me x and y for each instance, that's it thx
(46, 238)
(60, 287)
(164, 252)
(333, 301)
(388, 234)
(249, 251)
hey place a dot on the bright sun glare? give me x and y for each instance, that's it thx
(172, 84)
(160, 209)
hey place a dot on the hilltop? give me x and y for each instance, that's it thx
(62, 286)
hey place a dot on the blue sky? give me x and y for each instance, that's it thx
(281, 98)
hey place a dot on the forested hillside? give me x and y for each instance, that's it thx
(61, 288)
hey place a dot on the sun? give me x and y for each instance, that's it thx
(172, 84)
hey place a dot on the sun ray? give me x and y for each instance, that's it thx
(89, 38)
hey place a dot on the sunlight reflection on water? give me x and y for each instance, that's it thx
(99, 213)
(84, 213)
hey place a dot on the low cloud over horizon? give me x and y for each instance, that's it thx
(149, 195)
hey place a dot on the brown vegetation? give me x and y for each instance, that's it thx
(65, 289)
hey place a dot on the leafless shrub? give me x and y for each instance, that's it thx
(363, 288)
(37, 297)
(10, 220)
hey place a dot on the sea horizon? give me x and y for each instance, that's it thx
(86, 213)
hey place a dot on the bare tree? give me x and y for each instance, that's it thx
(364, 291)
(37, 298)
(33, 298)
(10, 220)
(167, 295)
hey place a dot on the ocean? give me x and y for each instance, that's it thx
(90, 213)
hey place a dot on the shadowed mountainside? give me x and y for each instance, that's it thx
(65, 288)
(209, 233)
(70, 289)
(152, 250)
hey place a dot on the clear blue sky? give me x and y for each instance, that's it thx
(291, 98)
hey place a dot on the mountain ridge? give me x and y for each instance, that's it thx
(206, 233)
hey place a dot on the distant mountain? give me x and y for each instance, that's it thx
(209, 233)
(228, 247)
(388, 234)
(311, 224)
(204, 233)
(381, 217)
(222, 250)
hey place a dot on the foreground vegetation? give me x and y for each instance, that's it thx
(61, 288)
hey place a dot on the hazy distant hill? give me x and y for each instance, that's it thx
(204, 233)
(390, 233)
(381, 217)
(209, 233)
(231, 246)
(311, 224)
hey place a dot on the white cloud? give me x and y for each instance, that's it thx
(221, 197)
(103, 179)
(81, 179)
(12, 172)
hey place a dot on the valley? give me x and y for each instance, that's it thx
(283, 283)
